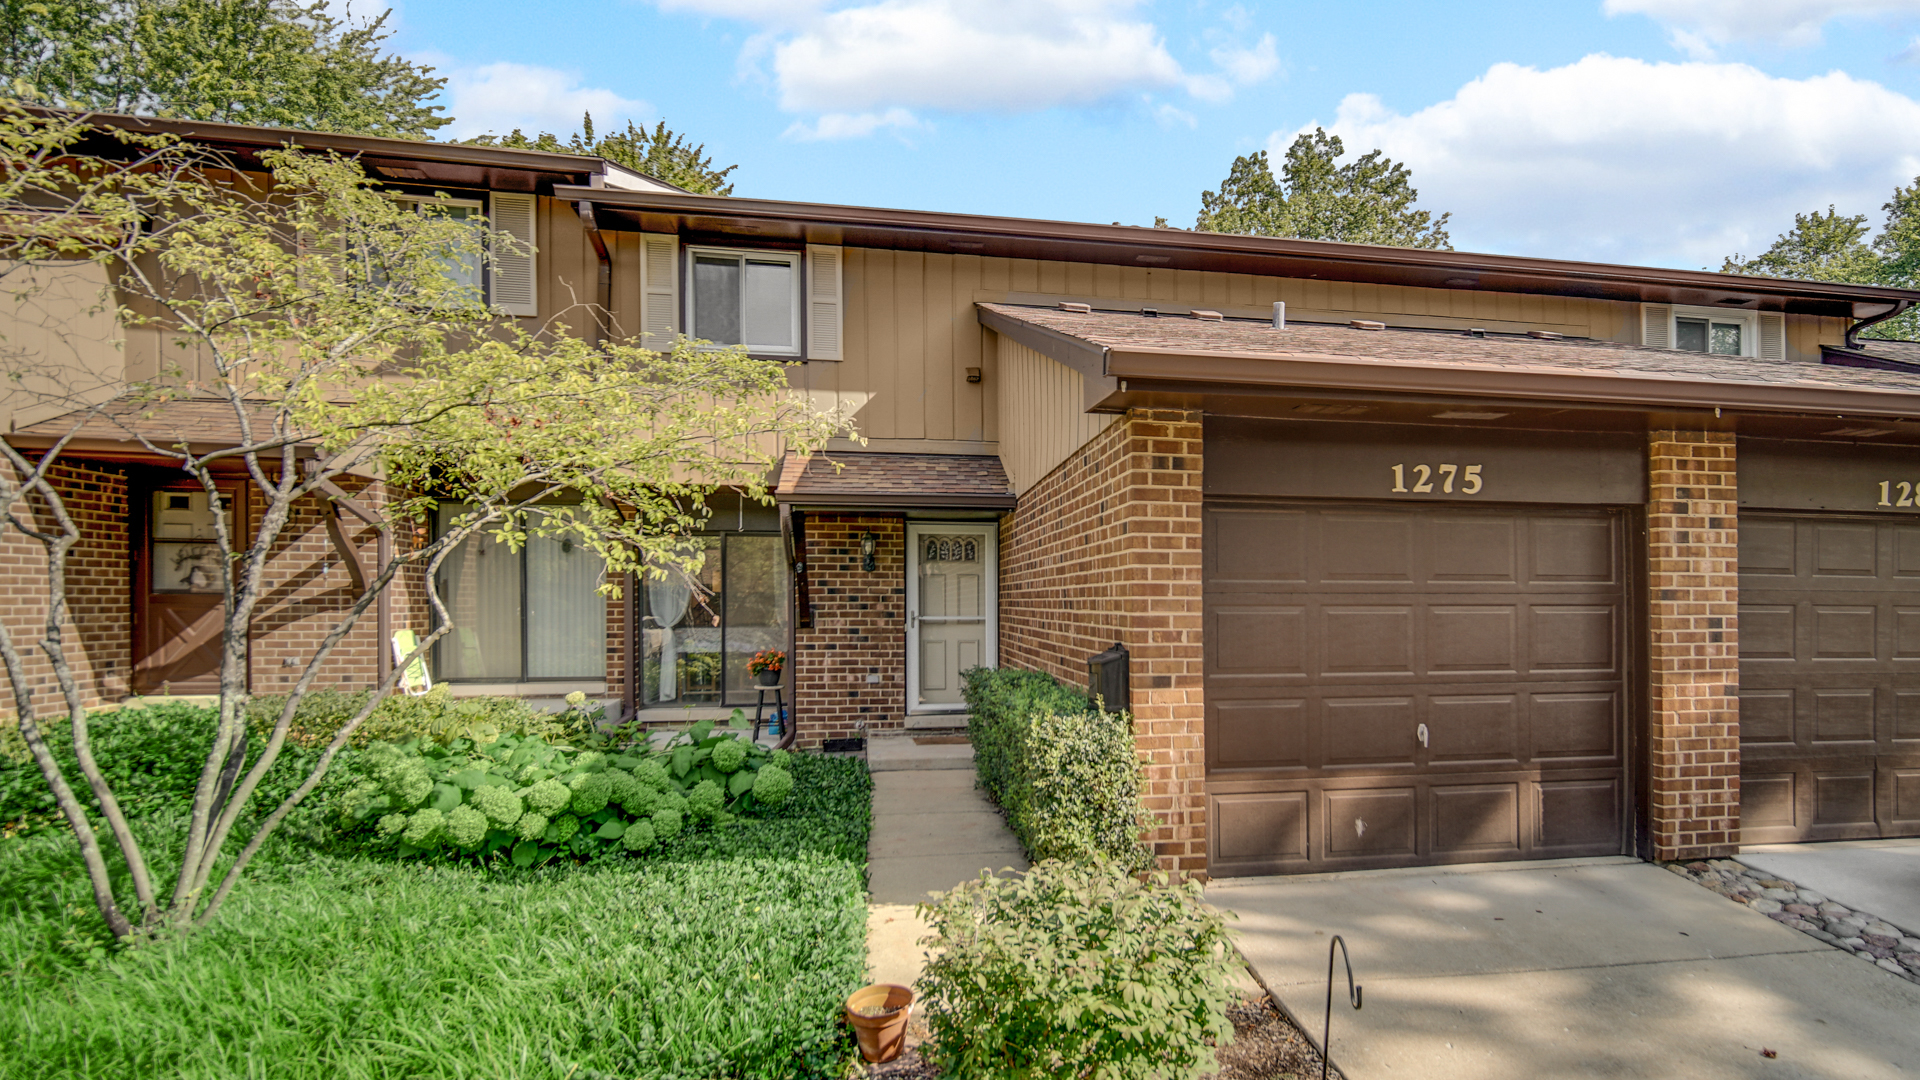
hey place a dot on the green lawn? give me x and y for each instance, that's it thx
(721, 956)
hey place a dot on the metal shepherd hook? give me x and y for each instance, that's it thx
(1353, 994)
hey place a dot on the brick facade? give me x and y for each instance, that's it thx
(1106, 548)
(1693, 582)
(97, 641)
(859, 631)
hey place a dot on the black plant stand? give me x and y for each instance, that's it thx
(779, 702)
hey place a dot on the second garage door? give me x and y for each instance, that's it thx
(1397, 685)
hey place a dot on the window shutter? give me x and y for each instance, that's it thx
(1773, 336)
(513, 286)
(824, 304)
(660, 289)
(1656, 325)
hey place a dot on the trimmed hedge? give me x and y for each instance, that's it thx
(1066, 773)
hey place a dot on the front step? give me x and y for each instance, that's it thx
(890, 753)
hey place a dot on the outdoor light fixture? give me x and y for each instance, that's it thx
(867, 544)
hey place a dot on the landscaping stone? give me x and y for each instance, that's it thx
(1864, 935)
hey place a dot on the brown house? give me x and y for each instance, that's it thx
(1418, 556)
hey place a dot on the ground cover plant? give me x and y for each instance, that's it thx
(1065, 772)
(724, 953)
(1076, 970)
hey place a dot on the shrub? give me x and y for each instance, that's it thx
(530, 800)
(1066, 774)
(436, 716)
(1076, 970)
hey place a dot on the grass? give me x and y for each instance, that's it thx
(724, 959)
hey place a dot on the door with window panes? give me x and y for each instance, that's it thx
(951, 622)
(180, 598)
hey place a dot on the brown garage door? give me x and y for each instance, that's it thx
(1829, 678)
(1397, 685)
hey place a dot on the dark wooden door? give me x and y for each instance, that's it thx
(1393, 685)
(178, 601)
(1829, 677)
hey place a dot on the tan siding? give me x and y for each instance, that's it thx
(57, 333)
(1042, 417)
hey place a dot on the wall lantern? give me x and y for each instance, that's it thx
(867, 544)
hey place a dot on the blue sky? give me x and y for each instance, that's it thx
(1664, 132)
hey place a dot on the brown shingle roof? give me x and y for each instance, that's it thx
(202, 424)
(1517, 364)
(862, 478)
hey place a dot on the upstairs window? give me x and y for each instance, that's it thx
(1715, 331)
(1720, 336)
(463, 268)
(749, 298)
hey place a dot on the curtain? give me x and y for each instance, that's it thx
(566, 616)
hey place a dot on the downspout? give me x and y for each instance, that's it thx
(630, 611)
(1853, 332)
(603, 288)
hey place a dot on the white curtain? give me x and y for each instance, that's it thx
(668, 598)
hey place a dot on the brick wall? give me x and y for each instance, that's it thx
(1106, 548)
(1694, 651)
(97, 640)
(859, 630)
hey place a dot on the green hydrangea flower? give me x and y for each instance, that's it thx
(562, 829)
(705, 800)
(620, 785)
(728, 756)
(779, 757)
(532, 824)
(466, 826)
(653, 773)
(391, 825)
(772, 785)
(549, 797)
(666, 822)
(401, 775)
(500, 804)
(641, 802)
(674, 801)
(588, 760)
(590, 793)
(424, 827)
(639, 836)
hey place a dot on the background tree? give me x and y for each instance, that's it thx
(1368, 200)
(659, 153)
(276, 63)
(1832, 247)
(322, 317)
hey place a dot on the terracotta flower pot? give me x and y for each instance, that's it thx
(884, 1035)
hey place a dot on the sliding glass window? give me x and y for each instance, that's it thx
(531, 614)
(700, 629)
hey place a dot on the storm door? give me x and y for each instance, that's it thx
(951, 598)
(179, 601)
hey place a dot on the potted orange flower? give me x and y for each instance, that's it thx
(766, 666)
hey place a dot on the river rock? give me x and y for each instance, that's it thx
(1805, 911)
(1890, 966)
(1808, 896)
(1765, 906)
(1835, 911)
(1785, 896)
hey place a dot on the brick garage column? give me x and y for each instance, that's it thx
(859, 630)
(1694, 651)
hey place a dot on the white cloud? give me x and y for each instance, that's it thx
(1248, 66)
(1168, 115)
(1782, 22)
(759, 11)
(1623, 160)
(500, 97)
(852, 125)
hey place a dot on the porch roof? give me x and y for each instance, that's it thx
(118, 431)
(894, 481)
(1179, 350)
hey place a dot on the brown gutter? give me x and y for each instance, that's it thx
(1346, 373)
(1853, 330)
(603, 290)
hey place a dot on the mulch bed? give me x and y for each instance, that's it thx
(1265, 1047)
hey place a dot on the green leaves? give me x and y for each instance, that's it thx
(1368, 200)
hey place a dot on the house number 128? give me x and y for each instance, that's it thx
(1423, 479)
(1905, 490)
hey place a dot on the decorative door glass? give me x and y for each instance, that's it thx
(952, 590)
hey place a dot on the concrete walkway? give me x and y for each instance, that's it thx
(1606, 967)
(932, 830)
(1877, 876)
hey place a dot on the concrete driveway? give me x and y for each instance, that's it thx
(1877, 876)
(1607, 967)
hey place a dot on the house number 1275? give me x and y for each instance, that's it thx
(1424, 479)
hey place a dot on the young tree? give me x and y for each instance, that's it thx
(1830, 247)
(1368, 200)
(659, 153)
(277, 63)
(338, 334)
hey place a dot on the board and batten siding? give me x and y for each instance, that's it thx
(1042, 416)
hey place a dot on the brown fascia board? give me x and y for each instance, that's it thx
(860, 226)
(850, 500)
(1083, 356)
(1397, 376)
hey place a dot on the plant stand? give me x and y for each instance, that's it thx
(759, 707)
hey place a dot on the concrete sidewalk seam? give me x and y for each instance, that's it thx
(1575, 967)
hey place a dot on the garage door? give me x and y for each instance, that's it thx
(1396, 685)
(1829, 677)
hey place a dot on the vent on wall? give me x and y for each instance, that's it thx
(1656, 325)
(1773, 336)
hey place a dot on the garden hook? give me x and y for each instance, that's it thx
(1353, 994)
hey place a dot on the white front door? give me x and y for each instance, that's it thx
(951, 600)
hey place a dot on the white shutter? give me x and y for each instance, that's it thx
(660, 289)
(1656, 325)
(513, 289)
(1773, 336)
(824, 305)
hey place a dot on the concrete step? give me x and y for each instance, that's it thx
(890, 753)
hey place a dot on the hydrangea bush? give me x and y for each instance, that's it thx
(530, 800)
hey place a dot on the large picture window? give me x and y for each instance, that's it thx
(526, 615)
(699, 630)
(749, 298)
